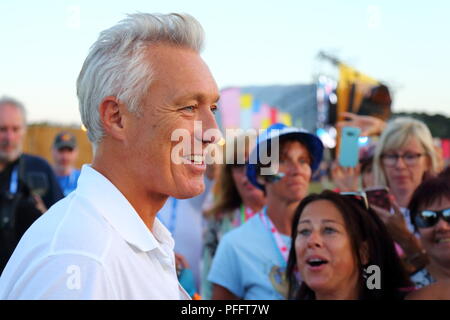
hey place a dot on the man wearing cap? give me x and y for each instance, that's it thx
(27, 183)
(65, 154)
(250, 261)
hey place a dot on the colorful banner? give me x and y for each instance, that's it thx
(259, 107)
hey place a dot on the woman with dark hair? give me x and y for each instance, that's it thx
(250, 261)
(335, 240)
(430, 214)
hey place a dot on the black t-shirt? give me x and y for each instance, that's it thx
(27, 175)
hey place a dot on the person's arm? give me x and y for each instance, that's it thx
(226, 269)
(370, 126)
(415, 257)
(439, 290)
(221, 293)
(345, 179)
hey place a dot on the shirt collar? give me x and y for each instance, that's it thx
(118, 211)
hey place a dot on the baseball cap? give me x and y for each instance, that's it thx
(311, 141)
(65, 140)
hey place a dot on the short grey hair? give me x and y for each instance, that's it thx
(116, 65)
(5, 100)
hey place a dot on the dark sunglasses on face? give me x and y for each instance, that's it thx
(429, 218)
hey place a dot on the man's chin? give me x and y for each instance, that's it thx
(9, 156)
(190, 191)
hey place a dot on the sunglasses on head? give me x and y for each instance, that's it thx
(429, 218)
(359, 196)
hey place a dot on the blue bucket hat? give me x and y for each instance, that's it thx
(311, 141)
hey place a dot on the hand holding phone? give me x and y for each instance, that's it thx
(349, 148)
(379, 196)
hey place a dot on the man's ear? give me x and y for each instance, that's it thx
(112, 117)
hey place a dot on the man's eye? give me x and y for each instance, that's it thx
(189, 108)
(214, 109)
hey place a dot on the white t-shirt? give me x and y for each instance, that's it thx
(92, 245)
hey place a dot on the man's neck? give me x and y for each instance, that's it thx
(281, 214)
(146, 206)
(5, 164)
(63, 171)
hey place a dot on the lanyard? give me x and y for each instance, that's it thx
(246, 213)
(14, 181)
(280, 244)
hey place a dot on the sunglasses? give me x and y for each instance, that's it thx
(359, 196)
(429, 218)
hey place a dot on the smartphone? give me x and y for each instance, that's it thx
(379, 196)
(349, 148)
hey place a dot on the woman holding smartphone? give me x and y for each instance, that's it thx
(404, 157)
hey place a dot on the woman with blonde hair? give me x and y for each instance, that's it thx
(236, 200)
(405, 155)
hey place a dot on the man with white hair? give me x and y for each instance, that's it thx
(142, 80)
(27, 183)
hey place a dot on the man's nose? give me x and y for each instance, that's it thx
(209, 132)
(10, 135)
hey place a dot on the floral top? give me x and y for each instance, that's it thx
(422, 278)
(217, 227)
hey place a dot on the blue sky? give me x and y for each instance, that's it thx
(404, 43)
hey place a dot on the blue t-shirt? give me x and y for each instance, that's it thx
(249, 263)
(69, 183)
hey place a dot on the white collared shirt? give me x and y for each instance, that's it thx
(92, 245)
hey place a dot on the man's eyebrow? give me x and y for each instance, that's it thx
(305, 221)
(198, 97)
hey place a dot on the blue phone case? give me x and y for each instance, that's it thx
(349, 148)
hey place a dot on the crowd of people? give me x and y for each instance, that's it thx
(149, 220)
